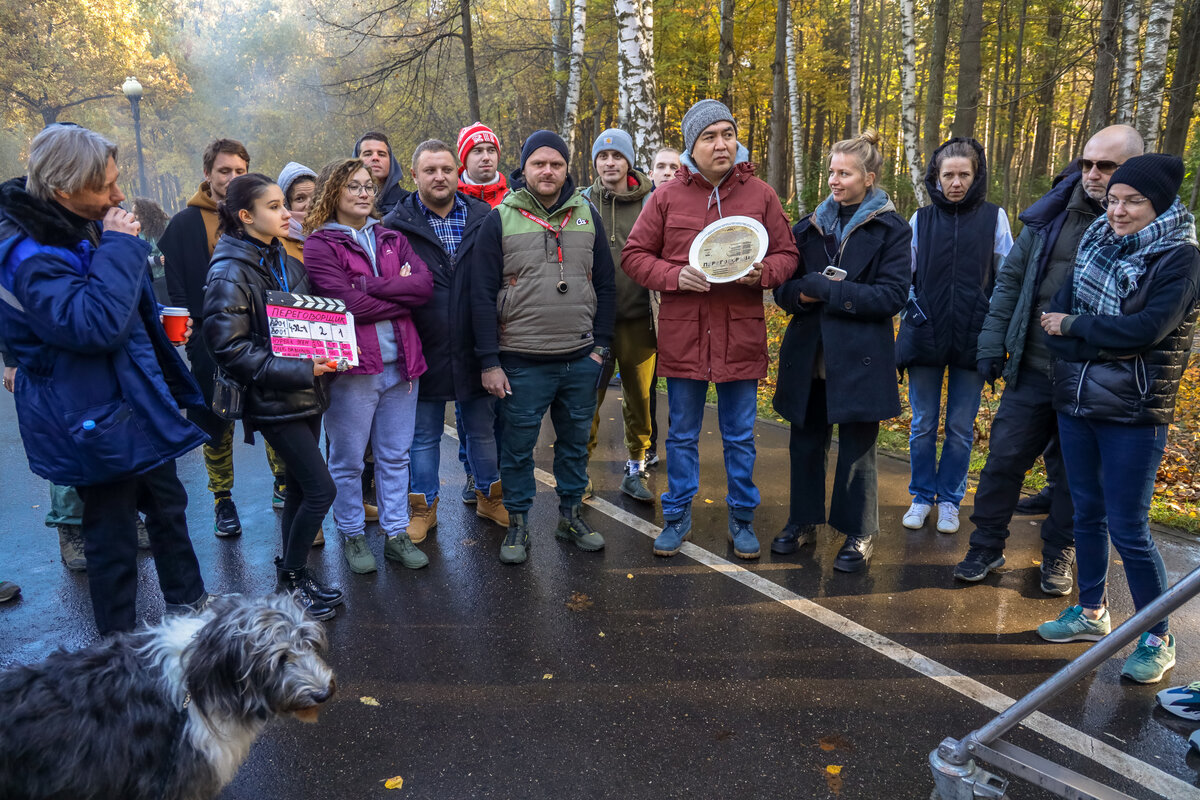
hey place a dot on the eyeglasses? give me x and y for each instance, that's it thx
(1086, 165)
(1129, 203)
(359, 188)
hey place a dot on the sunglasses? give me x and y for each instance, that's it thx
(1086, 165)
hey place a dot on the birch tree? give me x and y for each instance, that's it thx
(574, 74)
(794, 112)
(855, 66)
(908, 101)
(558, 46)
(1154, 70)
(1131, 26)
(637, 93)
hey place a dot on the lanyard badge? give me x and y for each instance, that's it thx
(562, 283)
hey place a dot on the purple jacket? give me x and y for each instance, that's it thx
(339, 267)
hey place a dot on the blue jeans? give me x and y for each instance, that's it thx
(1111, 468)
(737, 408)
(476, 418)
(568, 390)
(381, 410)
(944, 481)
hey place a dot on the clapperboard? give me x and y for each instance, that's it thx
(304, 326)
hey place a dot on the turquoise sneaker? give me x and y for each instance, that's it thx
(1151, 659)
(1073, 626)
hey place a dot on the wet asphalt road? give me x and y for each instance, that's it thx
(619, 674)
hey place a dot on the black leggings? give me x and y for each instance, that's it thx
(310, 490)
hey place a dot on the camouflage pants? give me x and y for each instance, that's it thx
(218, 461)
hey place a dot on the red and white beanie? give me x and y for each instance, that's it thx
(472, 135)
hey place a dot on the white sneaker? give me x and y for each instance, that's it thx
(947, 518)
(915, 516)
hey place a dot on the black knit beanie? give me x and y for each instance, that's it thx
(547, 139)
(1158, 176)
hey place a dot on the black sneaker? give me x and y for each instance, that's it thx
(227, 522)
(1056, 573)
(792, 538)
(1034, 504)
(978, 562)
(651, 457)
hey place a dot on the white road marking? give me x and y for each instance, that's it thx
(1103, 754)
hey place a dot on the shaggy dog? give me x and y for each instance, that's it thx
(169, 712)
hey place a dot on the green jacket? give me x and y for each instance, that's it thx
(619, 212)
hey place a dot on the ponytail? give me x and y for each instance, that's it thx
(240, 195)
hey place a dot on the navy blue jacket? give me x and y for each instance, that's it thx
(99, 387)
(444, 323)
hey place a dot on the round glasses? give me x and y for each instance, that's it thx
(359, 188)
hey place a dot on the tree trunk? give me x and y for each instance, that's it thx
(1039, 164)
(1106, 61)
(1131, 27)
(468, 41)
(908, 101)
(1183, 80)
(935, 96)
(1154, 71)
(794, 111)
(994, 95)
(574, 74)
(1013, 105)
(777, 146)
(637, 92)
(725, 56)
(855, 67)
(969, 68)
(558, 45)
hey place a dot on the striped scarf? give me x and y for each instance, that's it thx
(1108, 267)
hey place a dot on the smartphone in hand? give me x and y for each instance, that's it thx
(834, 273)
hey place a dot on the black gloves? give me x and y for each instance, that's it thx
(990, 369)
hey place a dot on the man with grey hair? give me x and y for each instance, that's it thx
(99, 386)
(1012, 345)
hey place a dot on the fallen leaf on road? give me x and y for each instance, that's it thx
(708, 501)
(629, 575)
(548, 676)
(834, 769)
(579, 602)
(833, 778)
(601, 634)
(368, 701)
(393, 783)
(834, 742)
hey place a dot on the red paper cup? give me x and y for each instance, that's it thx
(174, 321)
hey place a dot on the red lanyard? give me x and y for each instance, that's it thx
(556, 231)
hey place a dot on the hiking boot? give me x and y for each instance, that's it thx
(292, 581)
(401, 548)
(792, 538)
(947, 518)
(635, 485)
(1035, 504)
(422, 517)
(914, 518)
(143, 535)
(8, 591)
(745, 540)
(279, 493)
(491, 505)
(1056, 573)
(226, 522)
(572, 527)
(70, 545)
(1182, 701)
(319, 539)
(516, 542)
(651, 457)
(978, 562)
(468, 491)
(1073, 625)
(358, 554)
(1151, 659)
(674, 533)
(589, 491)
(370, 512)
(855, 554)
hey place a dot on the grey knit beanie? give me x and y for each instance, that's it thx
(699, 117)
(614, 139)
(293, 172)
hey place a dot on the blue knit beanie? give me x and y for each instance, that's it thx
(614, 139)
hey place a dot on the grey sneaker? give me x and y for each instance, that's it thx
(143, 535)
(635, 485)
(516, 542)
(358, 554)
(1073, 625)
(573, 528)
(401, 548)
(468, 492)
(1056, 573)
(1151, 659)
(70, 545)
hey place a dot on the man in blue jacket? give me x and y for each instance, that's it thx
(1012, 345)
(98, 386)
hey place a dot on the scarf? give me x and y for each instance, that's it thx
(1108, 267)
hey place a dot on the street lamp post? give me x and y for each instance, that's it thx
(133, 91)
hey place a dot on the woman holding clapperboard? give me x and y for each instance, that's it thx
(373, 269)
(284, 398)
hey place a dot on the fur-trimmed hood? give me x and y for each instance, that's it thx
(43, 221)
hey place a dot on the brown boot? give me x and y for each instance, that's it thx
(319, 541)
(422, 517)
(370, 512)
(491, 505)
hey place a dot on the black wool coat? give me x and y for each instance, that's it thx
(853, 321)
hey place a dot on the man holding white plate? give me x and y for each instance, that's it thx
(711, 242)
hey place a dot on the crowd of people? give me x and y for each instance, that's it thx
(516, 296)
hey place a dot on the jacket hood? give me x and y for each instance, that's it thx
(1052, 203)
(43, 221)
(516, 185)
(976, 194)
(203, 198)
(642, 186)
(825, 217)
(692, 171)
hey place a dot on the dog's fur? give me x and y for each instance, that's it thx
(106, 722)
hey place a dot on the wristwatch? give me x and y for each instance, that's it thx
(603, 352)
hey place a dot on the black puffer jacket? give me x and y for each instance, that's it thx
(955, 272)
(444, 323)
(1127, 368)
(235, 329)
